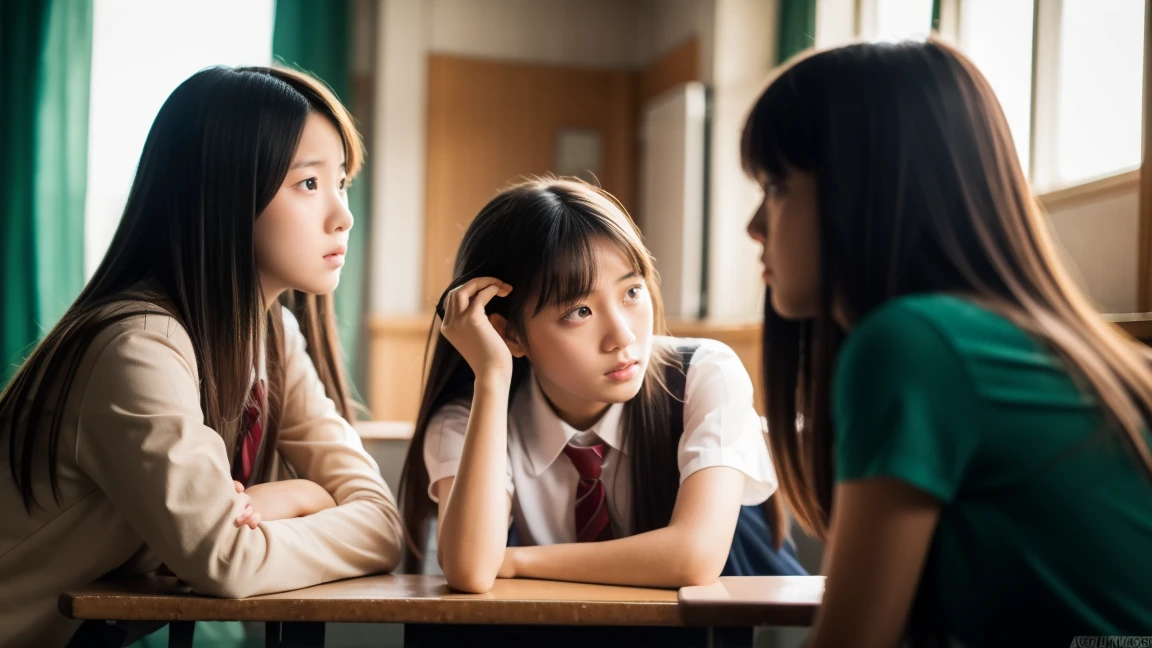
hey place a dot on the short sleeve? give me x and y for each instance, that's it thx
(721, 426)
(444, 444)
(904, 404)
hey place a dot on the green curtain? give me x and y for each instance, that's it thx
(797, 28)
(45, 64)
(935, 15)
(319, 42)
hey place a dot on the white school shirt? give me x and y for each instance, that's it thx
(721, 428)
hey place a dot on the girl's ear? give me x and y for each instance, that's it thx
(501, 326)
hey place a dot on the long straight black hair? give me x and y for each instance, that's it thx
(539, 236)
(216, 155)
(919, 190)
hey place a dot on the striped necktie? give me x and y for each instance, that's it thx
(251, 433)
(592, 524)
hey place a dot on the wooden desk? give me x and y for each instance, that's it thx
(298, 617)
(724, 612)
(753, 600)
(382, 599)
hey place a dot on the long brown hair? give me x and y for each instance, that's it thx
(539, 237)
(216, 155)
(919, 190)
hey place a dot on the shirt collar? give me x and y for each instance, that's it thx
(547, 434)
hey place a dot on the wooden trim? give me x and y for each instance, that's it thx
(396, 365)
(1144, 297)
(1091, 191)
(396, 357)
(1138, 325)
(407, 324)
(737, 331)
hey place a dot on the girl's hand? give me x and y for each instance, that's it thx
(248, 516)
(282, 500)
(467, 327)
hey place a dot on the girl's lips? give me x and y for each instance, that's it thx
(624, 374)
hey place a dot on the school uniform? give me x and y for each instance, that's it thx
(721, 428)
(144, 482)
(1046, 516)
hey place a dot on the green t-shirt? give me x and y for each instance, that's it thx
(1045, 531)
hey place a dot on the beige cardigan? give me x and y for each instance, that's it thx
(143, 481)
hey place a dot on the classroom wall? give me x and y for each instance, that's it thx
(396, 158)
(1098, 228)
(602, 34)
(733, 44)
(744, 55)
(664, 25)
(587, 33)
(508, 130)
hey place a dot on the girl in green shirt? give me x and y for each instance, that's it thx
(975, 453)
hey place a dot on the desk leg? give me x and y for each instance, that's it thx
(293, 635)
(740, 637)
(180, 634)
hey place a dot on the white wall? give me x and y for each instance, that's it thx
(399, 142)
(594, 33)
(835, 22)
(744, 53)
(1101, 239)
(661, 25)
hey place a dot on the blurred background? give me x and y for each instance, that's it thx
(458, 98)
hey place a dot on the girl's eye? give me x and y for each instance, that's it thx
(310, 184)
(578, 314)
(635, 292)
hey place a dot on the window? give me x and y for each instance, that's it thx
(902, 19)
(142, 50)
(1098, 80)
(997, 36)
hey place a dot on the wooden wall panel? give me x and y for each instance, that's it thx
(743, 337)
(491, 123)
(680, 65)
(397, 356)
(396, 363)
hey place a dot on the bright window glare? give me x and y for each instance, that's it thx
(997, 36)
(142, 50)
(898, 20)
(1099, 88)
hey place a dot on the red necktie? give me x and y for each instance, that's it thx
(251, 432)
(592, 523)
